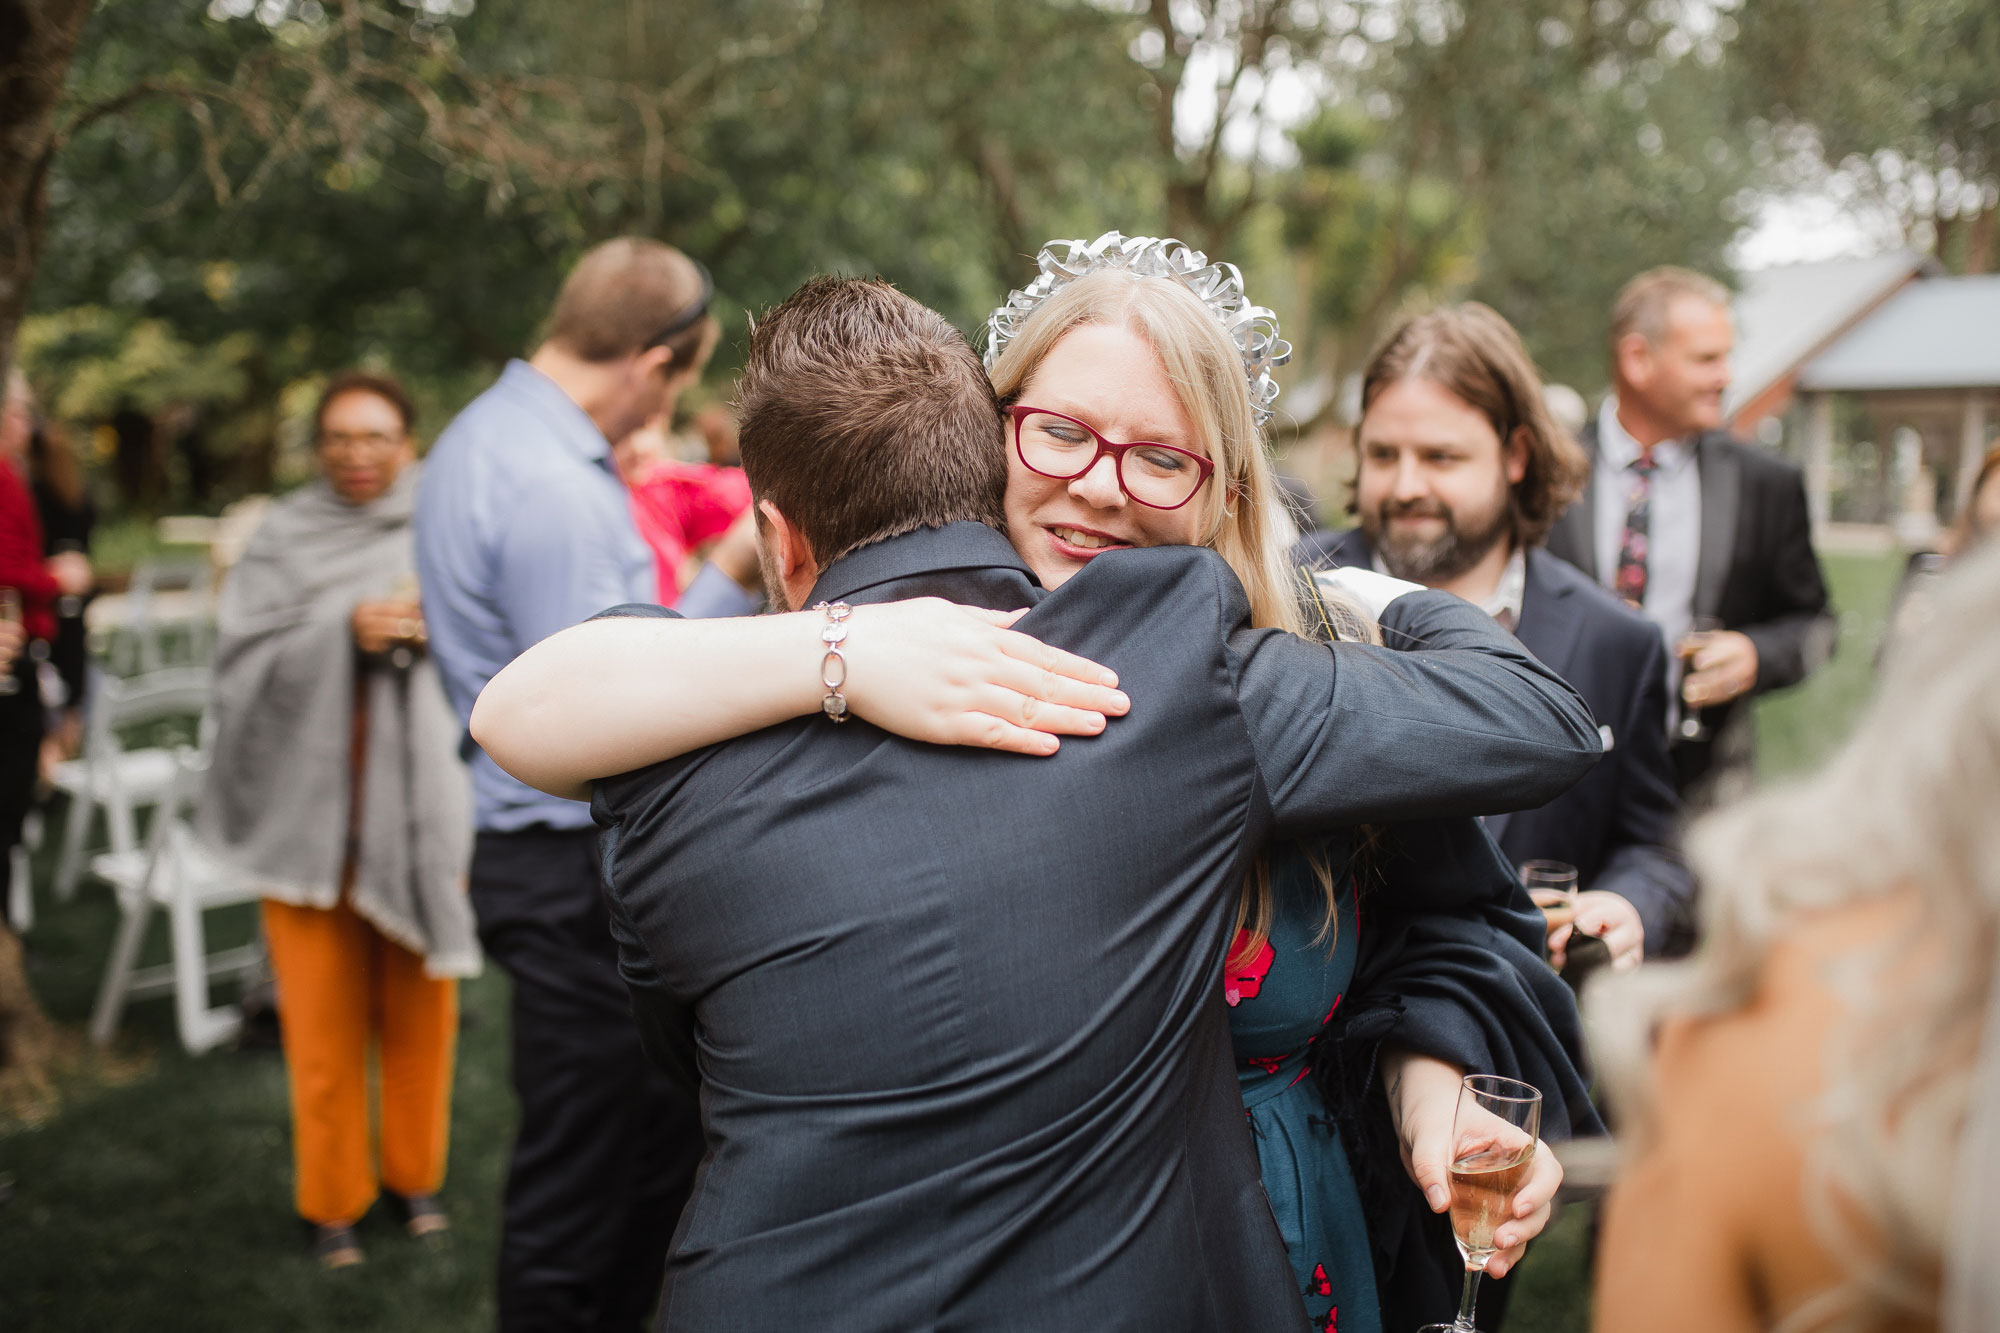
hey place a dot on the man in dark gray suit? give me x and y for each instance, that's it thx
(957, 1013)
(1444, 500)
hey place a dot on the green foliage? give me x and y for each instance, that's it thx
(106, 361)
(1903, 98)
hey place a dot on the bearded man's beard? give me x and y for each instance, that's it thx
(1445, 557)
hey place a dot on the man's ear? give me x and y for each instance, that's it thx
(791, 555)
(653, 360)
(1514, 455)
(1634, 357)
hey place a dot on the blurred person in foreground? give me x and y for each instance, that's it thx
(1462, 472)
(33, 582)
(1696, 529)
(524, 528)
(1914, 605)
(337, 786)
(1819, 1123)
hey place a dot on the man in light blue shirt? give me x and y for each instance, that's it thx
(523, 528)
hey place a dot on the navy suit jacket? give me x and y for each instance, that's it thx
(958, 1015)
(1620, 826)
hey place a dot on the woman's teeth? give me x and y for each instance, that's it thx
(1088, 540)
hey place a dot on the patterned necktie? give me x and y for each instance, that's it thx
(1630, 583)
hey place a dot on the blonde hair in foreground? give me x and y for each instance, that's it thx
(1906, 806)
(1242, 503)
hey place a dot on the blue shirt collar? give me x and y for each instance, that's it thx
(557, 410)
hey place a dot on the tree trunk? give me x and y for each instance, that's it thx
(40, 36)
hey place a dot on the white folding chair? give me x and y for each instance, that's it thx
(118, 780)
(164, 596)
(175, 872)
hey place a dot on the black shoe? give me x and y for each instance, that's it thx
(335, 1247)
(423, 1216)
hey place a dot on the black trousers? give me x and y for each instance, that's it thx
(607, 1145)
(20, 753)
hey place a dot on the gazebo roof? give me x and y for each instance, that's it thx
(1787, 313)
(1939, 333)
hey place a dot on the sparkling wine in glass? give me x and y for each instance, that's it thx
(1692, 727)
(10, 611)
(1493, 1154)
(1552, 884)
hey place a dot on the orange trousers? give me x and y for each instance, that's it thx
(343, 986)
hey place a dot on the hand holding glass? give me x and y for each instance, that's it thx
(1552, 884)
(1692, 728)
(1493, 1150)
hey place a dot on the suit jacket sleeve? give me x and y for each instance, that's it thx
(1461, 721)
(1641, 863)
(1797, 630)
(666, 1026)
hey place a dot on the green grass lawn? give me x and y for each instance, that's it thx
(158, 1197)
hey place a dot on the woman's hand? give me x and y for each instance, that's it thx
(380, 626)
(935, 671)
(1423, 1102)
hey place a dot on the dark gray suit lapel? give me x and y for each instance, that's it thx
(1552, 628)
(1721, 495)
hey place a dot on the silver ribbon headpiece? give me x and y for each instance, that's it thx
(1253, 328)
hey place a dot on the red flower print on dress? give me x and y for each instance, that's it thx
(1243, 982)
(1321, 1287)
(1332, 1324)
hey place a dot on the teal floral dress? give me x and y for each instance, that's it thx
(1280, 1000)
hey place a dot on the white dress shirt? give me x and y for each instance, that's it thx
(1673, 529)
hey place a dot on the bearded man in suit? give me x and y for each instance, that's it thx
(1462, 471)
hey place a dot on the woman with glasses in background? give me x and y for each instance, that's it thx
(336, 784)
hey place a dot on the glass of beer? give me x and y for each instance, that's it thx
(1493, 1152)
(1552, 884)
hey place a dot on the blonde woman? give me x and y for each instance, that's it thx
(1820, 1121)
(1133, 377)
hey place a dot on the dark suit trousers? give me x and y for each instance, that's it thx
(607, 1145)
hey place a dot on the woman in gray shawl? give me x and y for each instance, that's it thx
(336, 783)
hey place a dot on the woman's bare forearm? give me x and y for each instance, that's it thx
(612, 695)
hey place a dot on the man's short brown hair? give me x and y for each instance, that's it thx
(620, 295)
(866, 415)
(1642, 303)
(1475, 354)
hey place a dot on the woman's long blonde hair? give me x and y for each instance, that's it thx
(1244, 521)
(1910, 805)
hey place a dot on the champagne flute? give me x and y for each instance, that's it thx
(10, 611)
(1692, 727)
(1493, 1153)
(1552, 884)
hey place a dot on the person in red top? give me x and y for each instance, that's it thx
(680, 508)
(35, 583)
